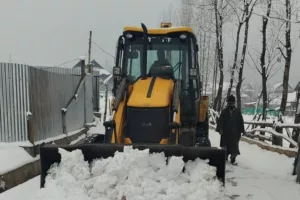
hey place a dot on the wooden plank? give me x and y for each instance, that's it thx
(288, 152)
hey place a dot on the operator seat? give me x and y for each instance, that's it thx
(161, 67)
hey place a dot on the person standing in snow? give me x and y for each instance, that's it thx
(230, 126)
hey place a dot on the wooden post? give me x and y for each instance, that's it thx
(64, 126)
(90, 48)
(277, 140)
(30, 131)
(82, 68)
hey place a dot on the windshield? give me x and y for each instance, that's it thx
(162, 51)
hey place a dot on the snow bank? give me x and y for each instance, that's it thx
(136, 174)
(13, 157)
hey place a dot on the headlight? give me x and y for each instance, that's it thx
(129, 36)
(183, 36)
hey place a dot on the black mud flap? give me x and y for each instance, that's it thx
(49, 154)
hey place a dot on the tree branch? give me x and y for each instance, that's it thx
(282, 52)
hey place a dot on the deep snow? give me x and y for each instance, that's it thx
(260, 175)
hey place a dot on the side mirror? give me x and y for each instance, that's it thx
(196, 48)
(116, 71)
(193, 73)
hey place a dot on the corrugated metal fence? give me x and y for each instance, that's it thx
(43, 93)
(77, 71)
(14, 102)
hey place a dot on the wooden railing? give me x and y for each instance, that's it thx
(257, 129)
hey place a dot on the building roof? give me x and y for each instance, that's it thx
(94, 62)
(248, 88)
(297, 87)
(96, 67)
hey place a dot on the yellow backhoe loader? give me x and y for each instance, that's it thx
(157, 101)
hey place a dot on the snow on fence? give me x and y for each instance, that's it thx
(77, 71)
(32, 100)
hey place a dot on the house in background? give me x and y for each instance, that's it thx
(105, 75)
(248, 90)
(208, 89)
(276, 96)
(278, 88)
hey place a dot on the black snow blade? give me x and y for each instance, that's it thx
(49, 154)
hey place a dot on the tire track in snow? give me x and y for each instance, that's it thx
(260, 174)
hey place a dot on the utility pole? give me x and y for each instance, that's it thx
(89, 58)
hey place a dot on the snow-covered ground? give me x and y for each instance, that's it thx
(12, 157)
(260, 175)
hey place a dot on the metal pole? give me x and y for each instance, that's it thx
(106, 97)
(84, 92)
(90, 47)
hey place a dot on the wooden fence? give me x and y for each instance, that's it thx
(256, 130)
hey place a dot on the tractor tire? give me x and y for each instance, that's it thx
(187, 137)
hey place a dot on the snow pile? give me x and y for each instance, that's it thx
(135, 174)
(98, 128)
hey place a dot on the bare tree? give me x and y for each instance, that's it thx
(270, 57)
(241, 21)
(219, 46)
(220, 12)
(263, 72)
(198, 14)
(287, 56)
(248, 6)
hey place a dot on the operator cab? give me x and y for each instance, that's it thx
(166, 52)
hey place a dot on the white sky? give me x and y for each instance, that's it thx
(40, 32)
(51, 32)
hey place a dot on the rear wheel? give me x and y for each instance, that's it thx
(202, 135)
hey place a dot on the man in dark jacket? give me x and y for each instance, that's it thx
(231, 126)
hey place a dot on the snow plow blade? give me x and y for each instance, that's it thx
(49, 154)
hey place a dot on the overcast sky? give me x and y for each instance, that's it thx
(51, 32)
